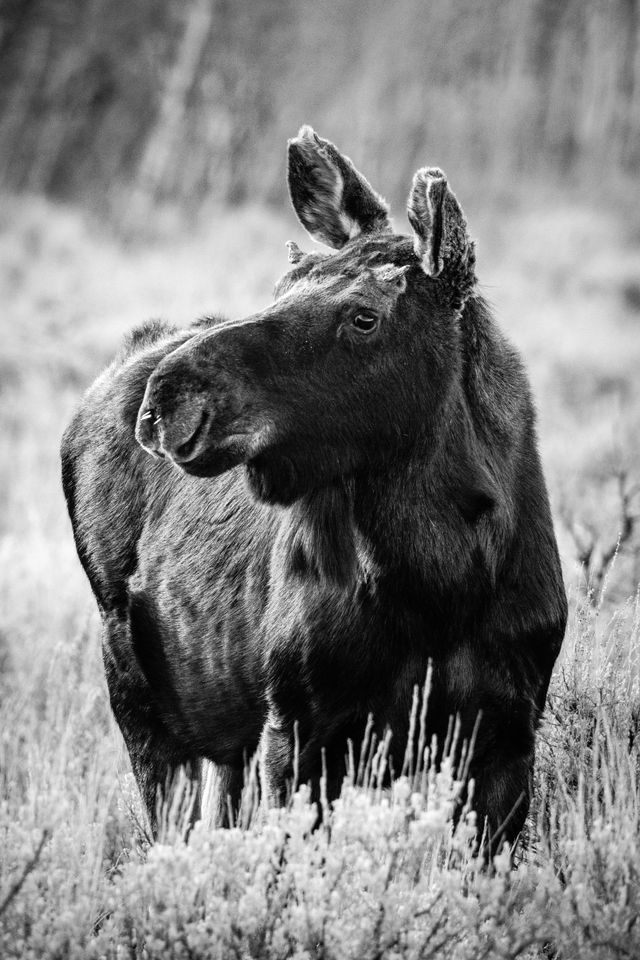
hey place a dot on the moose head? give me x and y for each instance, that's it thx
(350, 367)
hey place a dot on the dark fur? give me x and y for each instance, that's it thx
(382, 505)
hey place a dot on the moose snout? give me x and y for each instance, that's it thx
(172, 425)
(200, 408)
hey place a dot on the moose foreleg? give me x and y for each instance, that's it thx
(501, 798)
(277, 753)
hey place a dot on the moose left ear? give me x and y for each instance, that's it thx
(441, 240)
(332, 199)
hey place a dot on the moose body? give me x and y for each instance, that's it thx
(358, 493)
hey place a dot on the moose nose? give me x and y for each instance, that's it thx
(147, 429)
(179, 432)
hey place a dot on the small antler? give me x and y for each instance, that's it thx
(390, 272)
(392, 278)
(294, 252)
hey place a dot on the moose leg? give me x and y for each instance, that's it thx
(501, 767)
(165, 779)
(277, 754)
(312, 760)
(498, 721)
(159, 762)
(221, 793)
(501, 798)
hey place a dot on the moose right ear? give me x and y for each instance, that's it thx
(441, 240)
(333, 201)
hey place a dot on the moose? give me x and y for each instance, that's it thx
(285, 519)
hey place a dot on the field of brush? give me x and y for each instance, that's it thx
(383, 878)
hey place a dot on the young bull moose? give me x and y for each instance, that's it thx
(283, 519)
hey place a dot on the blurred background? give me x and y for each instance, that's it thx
(186, 101)
(142, 173)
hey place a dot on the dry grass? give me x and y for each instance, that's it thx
(386, 880)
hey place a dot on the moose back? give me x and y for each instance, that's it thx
(285, 518)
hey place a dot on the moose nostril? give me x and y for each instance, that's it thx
(188, 449)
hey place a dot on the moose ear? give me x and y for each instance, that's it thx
(332, 200)
(441, 240)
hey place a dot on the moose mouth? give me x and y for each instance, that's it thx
(204, 459)
(197, 442)
(209, 458)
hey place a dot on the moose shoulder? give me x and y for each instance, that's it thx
(284, 519)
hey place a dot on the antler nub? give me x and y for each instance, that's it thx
(295, 254)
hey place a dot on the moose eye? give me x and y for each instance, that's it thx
(365, 323)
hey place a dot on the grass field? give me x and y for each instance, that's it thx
(77, 876)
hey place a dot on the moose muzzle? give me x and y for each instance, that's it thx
(176, 430)
(197, 410)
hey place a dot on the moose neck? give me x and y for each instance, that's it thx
(415, 520)
(423, 517)
(320, 536)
